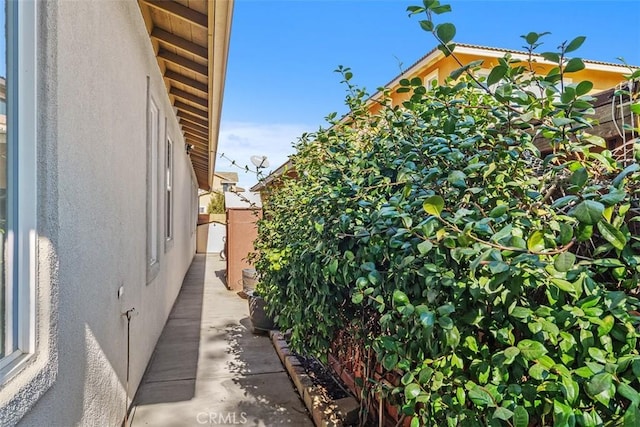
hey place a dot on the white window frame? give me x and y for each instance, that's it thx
(169, 231)
(431, 77)
(154, 184)
(195, 201)
(21, 240)
(154, 131)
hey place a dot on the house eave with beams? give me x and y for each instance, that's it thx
(190, 39)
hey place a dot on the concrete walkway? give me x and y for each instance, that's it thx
(208, 368)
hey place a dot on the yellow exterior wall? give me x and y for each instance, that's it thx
(602, 79)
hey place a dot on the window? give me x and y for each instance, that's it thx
(194, 207)
(153, 187)
(169, 191)
(17, 184)
(431, 80)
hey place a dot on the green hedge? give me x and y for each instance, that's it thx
(503, 294)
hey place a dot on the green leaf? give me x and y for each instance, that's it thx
(506, 231)
(521, 312)
(563, 201)
(445, 322)
(579, 177)
(535, 243)
(531, 350)
(450, 125)
(589, 212)
(428, 319)
(628, 392)
(613, 197)
(562, 414)
(520, 417)
(400, 298)
(447, 49)
(598, 141)
(412, 391)
(510, 354)
(424, 247)
(632, 417)
(626, 171)
(481, 397)
(551, 56)
(566, 233)
(571, 389)
(608, 262)
(564, 261)
(458, 72)
(456, 178)
(452, 337)
(561, 121)
(584, 87)
(496, 74)
(498, 211)
(440, 9)
(574, 64)
(426, 25)
(425, 374)
(502, 413)
(531, 38)
(433, 205)
(390, 361)
(374, 277)
(612, 235)
(333, 266)
(635, 108)
(584, 232)
(407, 378)
(357, 298)
(607, 324)
(446, 32)
(599, 383)
(575, 44)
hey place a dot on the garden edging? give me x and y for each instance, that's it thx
(324, 413)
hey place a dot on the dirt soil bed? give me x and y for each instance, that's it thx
(322, 377)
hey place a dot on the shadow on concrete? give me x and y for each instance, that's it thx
(260, 375)
(174, 363)
(222, 275)
(240, 379)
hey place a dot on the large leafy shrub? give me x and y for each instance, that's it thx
(502, 289)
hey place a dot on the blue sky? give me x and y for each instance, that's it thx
(280, 80)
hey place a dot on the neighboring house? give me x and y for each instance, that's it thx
(436, 67)
(222, 182)
(225, 181)
(112, 117)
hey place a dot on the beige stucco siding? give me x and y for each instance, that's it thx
(99, 66)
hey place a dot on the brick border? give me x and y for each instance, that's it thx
(336, 413)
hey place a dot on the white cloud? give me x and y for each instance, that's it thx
(241, 140)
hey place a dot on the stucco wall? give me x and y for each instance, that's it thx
(99, 59)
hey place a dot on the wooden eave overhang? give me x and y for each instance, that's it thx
(190, 39)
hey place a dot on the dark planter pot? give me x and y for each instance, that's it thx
(259, 318)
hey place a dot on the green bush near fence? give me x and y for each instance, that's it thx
(502, 289)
